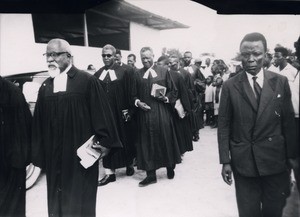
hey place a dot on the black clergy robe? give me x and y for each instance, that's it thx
(157, 144)
(183, 126)
(62, 122)
(120, 92)
(15, 134)
(197, 114)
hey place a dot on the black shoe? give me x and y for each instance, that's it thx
(107, 179)
(196, 138)
(147, 181)
(129, 171)
(170, 173)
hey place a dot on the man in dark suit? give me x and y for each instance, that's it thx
(256, 133)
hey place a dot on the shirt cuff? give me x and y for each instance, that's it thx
(136, 101)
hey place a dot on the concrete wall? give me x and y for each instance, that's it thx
(141, 36)
(20, 54)
(18, 51)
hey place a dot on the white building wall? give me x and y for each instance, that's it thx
(141, 36)
(19, 53)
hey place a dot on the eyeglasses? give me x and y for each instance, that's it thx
(54, 55)
(107, 55)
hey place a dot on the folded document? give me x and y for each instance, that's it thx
(88, 154)
(179, 108)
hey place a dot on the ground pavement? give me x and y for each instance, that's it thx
(196, 191)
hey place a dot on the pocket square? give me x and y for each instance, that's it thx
(278, 96)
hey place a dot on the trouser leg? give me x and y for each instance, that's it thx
(276, 189)
(248, 195)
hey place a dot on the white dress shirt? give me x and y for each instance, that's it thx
(293, 77)
(259, 80)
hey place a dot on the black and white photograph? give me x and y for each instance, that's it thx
(149, 108)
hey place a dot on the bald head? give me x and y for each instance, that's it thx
(60, 44)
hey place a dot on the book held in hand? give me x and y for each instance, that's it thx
(158, 90)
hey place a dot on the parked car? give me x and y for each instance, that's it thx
(30, 83)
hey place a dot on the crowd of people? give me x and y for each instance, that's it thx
(149, 118)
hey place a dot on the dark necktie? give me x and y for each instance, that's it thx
(217, 94)
(257, 89)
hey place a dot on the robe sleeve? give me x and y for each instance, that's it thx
(136, 83)
(131, 90)
(37, 146)
(21, 138)
(184, 95)
(103, 123)
(172, 92)
(191, 89)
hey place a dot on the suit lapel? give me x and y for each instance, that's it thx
(246, 91)
(267, 92)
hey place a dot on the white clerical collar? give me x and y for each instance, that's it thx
(259, 75)
(60, 81)
(111, 72)
(150, 71)
(189, 68)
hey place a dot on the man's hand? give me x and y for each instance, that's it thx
(143, 106)
(162, 97)
(126, 115)
(227, 173)
(103, 150)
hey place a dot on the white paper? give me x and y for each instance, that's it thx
(87, 154)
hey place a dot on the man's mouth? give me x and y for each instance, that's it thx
(52, 67)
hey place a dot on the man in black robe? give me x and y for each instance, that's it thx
(157, 143)
(131, 60)
(15, 134)
(117, 82)
(183, 125)
(199, 84)
(71, 107)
